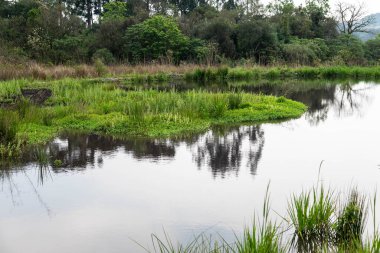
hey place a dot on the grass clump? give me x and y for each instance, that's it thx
(234, 100)
(311, 215)
(10, 146)
(264, 237)
(317, 223)
(351, 220)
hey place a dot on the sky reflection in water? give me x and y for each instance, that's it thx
(108, 192)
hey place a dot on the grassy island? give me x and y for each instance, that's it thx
(106, 108)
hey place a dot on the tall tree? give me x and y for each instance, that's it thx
(87, 9)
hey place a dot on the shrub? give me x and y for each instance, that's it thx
(103, 55)
(155, 38)
(100, 68)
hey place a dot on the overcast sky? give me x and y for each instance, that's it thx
(372, 6)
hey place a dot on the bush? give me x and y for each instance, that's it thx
(103, 55)
(100, 68)
(299, 54)
(155, 38)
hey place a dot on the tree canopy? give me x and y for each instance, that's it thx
(175, 31)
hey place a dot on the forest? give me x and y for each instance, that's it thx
(207, 32)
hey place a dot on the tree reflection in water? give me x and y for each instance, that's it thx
(221, 150)
(83, 151)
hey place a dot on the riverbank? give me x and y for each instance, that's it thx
(105, 108)
(199, 73)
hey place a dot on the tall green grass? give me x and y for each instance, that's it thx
(351, 220)
(311, 215)
(316, 220)
(10, 146)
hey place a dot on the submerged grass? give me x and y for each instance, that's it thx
(105, 108)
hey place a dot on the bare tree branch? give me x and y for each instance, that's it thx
(353, 18)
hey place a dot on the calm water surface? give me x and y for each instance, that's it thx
(108, 193)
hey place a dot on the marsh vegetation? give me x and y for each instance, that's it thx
(105, 108)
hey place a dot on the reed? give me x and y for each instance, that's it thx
(311, 215)
(318, 225)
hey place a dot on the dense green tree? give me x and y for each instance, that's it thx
(110, 35)
(258, 40)
(115, 11)
(157, 37)
(221, 32)
(347, 49)
(305, 51)
(69, 49)
(75, 31)
(86, 8)
(373, 49)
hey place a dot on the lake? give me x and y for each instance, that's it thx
(110, 195)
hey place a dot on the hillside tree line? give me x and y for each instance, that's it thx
(176, 31)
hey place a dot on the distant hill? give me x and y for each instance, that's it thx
(373, 28)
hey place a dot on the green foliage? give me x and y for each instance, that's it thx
(264, 237)
(104, 55)
(69, 49)
(110, 36)
(80, 105)
(220, 31)
(347, 50)
(351, 220)
(100, 68)
(311, 215)
(314, 209)
(72, 31)
(57, 163)
(8, 126)
(207, 75)
(257, 40)
(373, 49)
(157, 37)
(234, 101)
(115, 11)
(305, 52)
(299, 54)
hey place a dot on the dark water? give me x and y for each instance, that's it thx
(109, 193)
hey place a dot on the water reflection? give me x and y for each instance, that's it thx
(76, 150)
(222, 150)
(183, 184)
